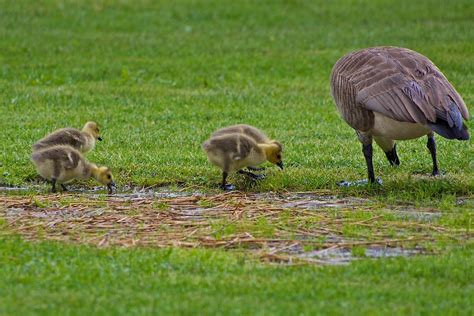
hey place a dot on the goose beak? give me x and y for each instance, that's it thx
(280, 164)
(100, 138)
(111, 187)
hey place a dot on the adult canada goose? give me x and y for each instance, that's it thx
(232, 152)
(392, 93)
(62, 164)
(83, 140)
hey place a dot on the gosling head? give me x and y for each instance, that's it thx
(104, 176)
(92, 128)
(273, 151)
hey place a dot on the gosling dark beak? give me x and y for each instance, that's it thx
(100, 138)
(111, 187)
(280, 164)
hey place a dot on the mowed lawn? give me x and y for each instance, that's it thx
(159, 77)
(55, 279)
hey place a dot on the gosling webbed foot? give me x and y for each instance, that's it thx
(251, 175)
(225, 186)
(110, 187)
(257, 177)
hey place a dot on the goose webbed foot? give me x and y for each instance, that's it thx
(227, 187)
(345, 183)
(437, 173)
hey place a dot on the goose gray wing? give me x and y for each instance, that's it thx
(408, 87)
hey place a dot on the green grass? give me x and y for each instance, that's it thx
(35, 280)
(161, 76)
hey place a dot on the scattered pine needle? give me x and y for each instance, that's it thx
(276, 228)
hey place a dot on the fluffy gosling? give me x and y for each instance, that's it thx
(251, 131)
(232, 152)
(62, 164)
(82, 140)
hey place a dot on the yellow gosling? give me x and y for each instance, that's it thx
(63, 164)
(232, 152)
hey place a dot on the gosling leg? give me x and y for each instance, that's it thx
(53, 182)
(224, 185)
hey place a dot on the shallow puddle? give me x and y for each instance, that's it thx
(342, 256)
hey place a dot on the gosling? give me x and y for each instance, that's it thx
(82, 140)
(62, 164)
(257, 135)
(232, 152)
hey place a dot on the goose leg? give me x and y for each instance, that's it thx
(53, 183)
(431, 144)
(368, 153)
(392, 156)
(388, 146)
(224, 185)
(252, 175)
(366, 140)
(367, 150)
(64, 187)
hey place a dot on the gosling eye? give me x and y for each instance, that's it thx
(109, 176)
(278, 156)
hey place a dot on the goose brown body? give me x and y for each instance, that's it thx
(392, 93)
(399, 84)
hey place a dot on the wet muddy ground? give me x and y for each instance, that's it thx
(304, 227)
